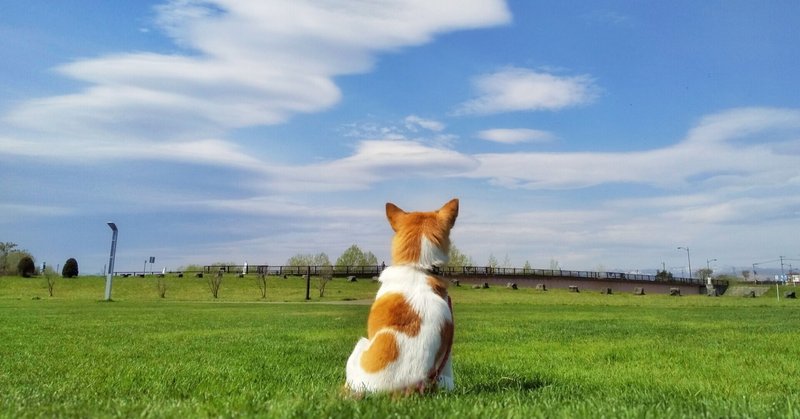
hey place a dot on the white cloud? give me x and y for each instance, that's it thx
(742, 123)
(213, 152)
(413, 121)
(520, 89)
(712, 153)
(12, 212)
(277, 206)
(249, 63)
(728, 177)
(515, 135)
(373, 161)
(610, 17)
(710, 157)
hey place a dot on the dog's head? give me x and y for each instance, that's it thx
(422, 238)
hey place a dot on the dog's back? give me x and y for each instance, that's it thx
(410, 325)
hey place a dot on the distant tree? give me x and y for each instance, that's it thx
(191, 268)
(554, 265)
(26, 267)
(370, 259)
(506, 262)
(492, 262)
(70, 269)
(15, 257)
(458, 259)
(161, 286)
(746, 275)
(354, 256)
(50, 279)
(526, 268)
(350, 257)
(727, 277)
(299, 260)
(325, 276)
(261, 281)
(319, 259)
(664, 275)
(704, 273)
(214, 282)
(5, 249)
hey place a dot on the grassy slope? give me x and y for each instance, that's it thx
(517, 354)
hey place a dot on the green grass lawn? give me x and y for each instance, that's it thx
(518, 353)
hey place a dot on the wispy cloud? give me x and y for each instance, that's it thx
(608, 17)
(414, 122)
(373, 161)
(283, 207)
(714, 151)
(520, 89)
(12, 212)
(735, 151)
(515, 135)
(247, 64)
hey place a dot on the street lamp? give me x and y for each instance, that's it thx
(708, 265)
(111, 258)
(708, 270)
(783, 275)
(689, 258)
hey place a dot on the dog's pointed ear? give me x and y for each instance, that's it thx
(394, 213)
(449, 212)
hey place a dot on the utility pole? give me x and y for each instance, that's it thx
(689, 258)
(783, 276)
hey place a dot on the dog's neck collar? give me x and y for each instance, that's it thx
(433, 270)
(428, 269)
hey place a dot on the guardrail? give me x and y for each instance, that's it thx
(369, 271)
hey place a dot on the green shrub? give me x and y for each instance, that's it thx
(26, 268)
(70, 269)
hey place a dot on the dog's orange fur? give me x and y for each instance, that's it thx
(447, 340)
(394, 326)
(383, 351)
(439, 286)
(411, 227)
(393, 311)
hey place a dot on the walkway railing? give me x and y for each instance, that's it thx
(369, 271)
(460, 271)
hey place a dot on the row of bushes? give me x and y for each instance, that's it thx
(26, 268)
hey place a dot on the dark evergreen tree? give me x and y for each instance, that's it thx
(26, 268)
(70, 269)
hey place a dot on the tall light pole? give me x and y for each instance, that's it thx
(783, 275)
(111, 260)
(689, 258)
(708, 265)
(708, 270)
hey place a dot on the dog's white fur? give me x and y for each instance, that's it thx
(417, 358)
(431, 256)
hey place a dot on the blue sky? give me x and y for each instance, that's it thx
(602, 135)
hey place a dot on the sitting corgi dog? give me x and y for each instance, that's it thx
(410, 324)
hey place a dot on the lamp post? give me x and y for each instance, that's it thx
(688, 258)
(783, 275)
(708, 272)
(708, 265)
(111, 258)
